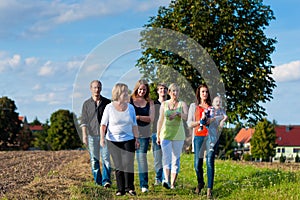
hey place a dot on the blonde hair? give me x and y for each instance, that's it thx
(214, 101)
(117, 90)
(173, 86)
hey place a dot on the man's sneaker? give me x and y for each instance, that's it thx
(144, 190)
(106, 185)
(157, 182)
(131, 193)
(166, 185)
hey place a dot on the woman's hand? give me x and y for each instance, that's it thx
(137, 143)
(158, 140)
(102, 142)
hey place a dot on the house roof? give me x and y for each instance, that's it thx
(36, 128)
(244, 135)
(288, 135)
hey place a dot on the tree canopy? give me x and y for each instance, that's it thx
(263, 140)
(62, 132)
(232, 33)
(10, 125)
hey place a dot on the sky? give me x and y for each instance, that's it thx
(51, 50)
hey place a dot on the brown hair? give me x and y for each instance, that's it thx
(136, 87)
(198, 98)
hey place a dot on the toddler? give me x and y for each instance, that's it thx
(217, 116)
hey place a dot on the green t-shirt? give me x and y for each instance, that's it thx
(172, 129)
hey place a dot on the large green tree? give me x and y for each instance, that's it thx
(232, 33)
(263, 140)
(62, 132)
(10, 125)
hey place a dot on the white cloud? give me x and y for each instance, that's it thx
(36, 87)
(15, 60)
(31, 61)
(41, 16)
(74, 64)
(287, 72)
(46, 70)
(9, 62)
(44, 97)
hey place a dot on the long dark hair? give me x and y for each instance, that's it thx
(136, 87)
(198, 98)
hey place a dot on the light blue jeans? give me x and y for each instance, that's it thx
(157, 154)
(95, 151)
(141, 156)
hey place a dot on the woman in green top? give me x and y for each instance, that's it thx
(171, 134)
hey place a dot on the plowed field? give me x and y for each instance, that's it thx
(42, 174)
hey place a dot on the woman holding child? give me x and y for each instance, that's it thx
(196, 113)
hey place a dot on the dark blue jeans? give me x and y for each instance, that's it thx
(198, 161)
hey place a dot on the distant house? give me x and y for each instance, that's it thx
(243, 138)
(288, 140)
(35, 128)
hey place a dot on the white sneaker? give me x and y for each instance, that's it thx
(144, 190)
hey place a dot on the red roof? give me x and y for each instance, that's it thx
(244, 135)
(288, 135)
(36, 128)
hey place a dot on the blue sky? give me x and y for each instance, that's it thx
(45, 45)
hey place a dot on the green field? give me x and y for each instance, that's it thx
(233, 180)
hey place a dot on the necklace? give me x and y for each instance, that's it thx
(172, 105)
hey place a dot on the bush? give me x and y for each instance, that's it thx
(246, 157)
(282, 158)
(297, 159)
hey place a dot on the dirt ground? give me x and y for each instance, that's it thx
(42, 174)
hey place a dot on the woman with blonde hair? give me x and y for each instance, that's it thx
(119, 127)
(171, 134)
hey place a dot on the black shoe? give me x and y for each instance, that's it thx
(132, 193)
(166, 185)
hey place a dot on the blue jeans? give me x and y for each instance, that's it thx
(157, 154)
(141, 156)
(198, 160)
(95, 150)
